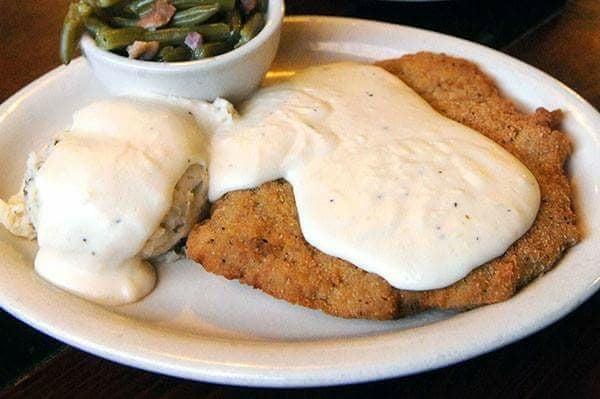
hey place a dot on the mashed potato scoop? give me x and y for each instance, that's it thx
(122, 186)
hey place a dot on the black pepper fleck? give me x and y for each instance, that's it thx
(332, 200)
(84, 239)
(93, 253)
(118, 221)
(456, 204)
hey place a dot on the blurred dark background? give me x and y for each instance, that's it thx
(495, 23)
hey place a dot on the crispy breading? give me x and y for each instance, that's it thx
(254, 235)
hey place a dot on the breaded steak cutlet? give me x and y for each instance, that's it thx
(254, 235)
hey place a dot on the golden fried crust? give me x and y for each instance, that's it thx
(254, 235)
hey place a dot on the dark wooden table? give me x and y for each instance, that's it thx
(561, 361)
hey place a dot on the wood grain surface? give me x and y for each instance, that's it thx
(562, 361)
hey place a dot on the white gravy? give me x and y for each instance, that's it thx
(95, 217)
(380, 178)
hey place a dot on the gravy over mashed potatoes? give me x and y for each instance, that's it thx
(380, 179)
(122, 185)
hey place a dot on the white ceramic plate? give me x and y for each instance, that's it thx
(199, 326)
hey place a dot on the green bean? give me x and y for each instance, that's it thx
(84, 8)
(94, 25)
(106, 3)
(139, 7)
(173, 54)
(121, 22)
(212, 49)
(194, 15)
(110, 39)
(72, 29)
(225, 5)
(251, 28)
(263, 5)
(209, 32)
(167, 36)
(235, 25)
(97, 11)
(212, 32)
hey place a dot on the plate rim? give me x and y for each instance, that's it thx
(250, 374)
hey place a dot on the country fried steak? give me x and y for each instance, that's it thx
(254, 235)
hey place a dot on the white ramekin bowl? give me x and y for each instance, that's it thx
(233, 75)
